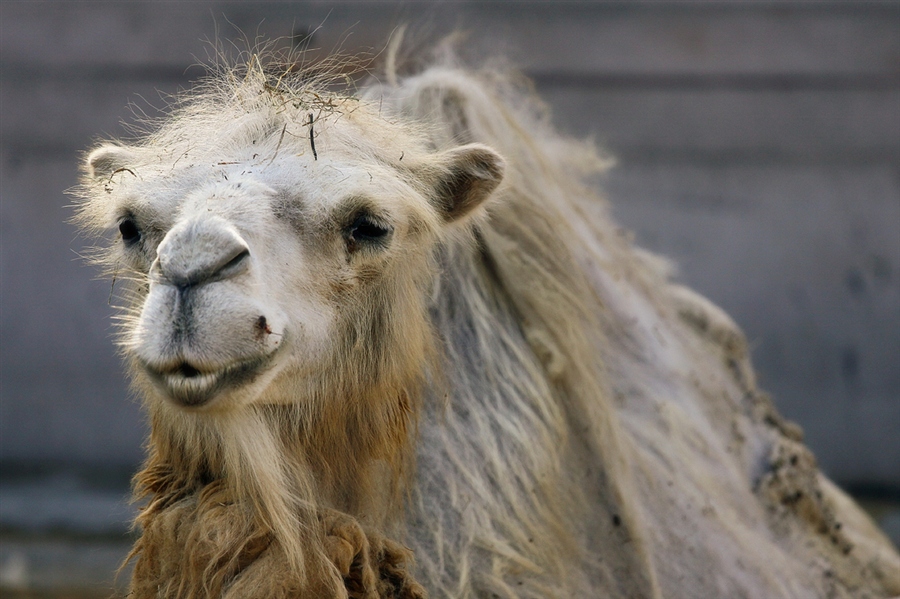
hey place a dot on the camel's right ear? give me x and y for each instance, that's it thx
(107, 159)
(468, 175)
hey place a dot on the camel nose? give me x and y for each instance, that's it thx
(200, 251)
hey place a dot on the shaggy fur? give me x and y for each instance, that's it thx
(505, 385)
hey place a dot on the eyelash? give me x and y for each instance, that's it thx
(365, 230)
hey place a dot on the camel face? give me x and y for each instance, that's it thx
(211, 323)
(250, 274)
(268, 275)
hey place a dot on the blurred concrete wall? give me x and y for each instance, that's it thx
(758, 146)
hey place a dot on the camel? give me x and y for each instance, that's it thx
(391, 344)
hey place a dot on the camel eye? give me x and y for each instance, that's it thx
(130, 232)
(366, 230)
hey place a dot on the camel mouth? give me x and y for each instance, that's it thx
(192, 385)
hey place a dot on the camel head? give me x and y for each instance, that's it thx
(280, 254)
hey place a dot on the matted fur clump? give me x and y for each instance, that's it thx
(392, 345)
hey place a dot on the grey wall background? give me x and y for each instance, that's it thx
(758, 146)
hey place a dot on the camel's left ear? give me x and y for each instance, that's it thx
(467, 176)
(107, 159)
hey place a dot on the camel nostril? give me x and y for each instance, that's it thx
(187, 371)
(238, 258)
(201, 250)
(262, 325)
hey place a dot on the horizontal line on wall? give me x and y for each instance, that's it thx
(752, 157)
(85, 73)
(751, 82)
(543, 78)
